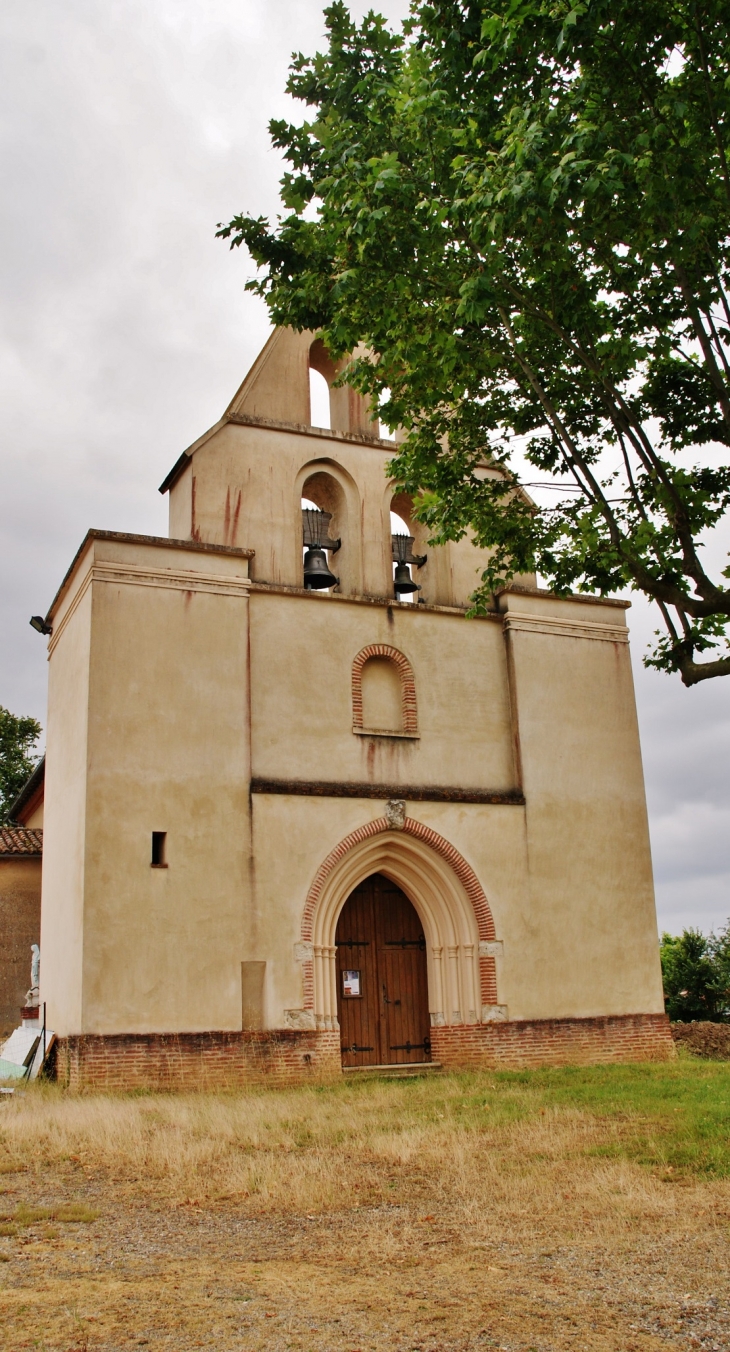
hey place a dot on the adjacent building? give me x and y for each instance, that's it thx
(21, 851)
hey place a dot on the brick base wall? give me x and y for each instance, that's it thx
(195, 1060)
(228, 1060)
(554, 1042)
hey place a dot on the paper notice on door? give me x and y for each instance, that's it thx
(351, 983)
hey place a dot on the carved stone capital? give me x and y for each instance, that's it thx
(301, 1019)
(490, 948)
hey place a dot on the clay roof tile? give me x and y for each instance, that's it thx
(21, 840)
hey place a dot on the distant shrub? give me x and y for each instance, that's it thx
(696, 975)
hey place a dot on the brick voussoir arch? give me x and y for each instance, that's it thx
(407, 683)
(355, 838)
(464, 872)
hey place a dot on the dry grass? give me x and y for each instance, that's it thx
(459, 1212)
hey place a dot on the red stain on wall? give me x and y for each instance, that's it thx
(230, 519)
(194, 532)
(236, 514)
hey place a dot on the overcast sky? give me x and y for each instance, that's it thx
(129, 129)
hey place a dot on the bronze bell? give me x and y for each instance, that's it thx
(403, 583)
(316, 571)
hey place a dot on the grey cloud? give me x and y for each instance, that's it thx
(685, 737)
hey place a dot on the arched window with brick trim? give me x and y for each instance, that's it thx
(383, 693)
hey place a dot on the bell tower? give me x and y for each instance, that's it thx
(280, 716)
(259, 475)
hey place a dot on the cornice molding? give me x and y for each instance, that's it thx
(170, 579)
(517, 622)
(320, 433)
(126, 538)
(163, 579)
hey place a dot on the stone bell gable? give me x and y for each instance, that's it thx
(243, 481)
(295, 822)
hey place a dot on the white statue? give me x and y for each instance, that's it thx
(35, 967)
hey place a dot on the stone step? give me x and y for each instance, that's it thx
(398, 1072)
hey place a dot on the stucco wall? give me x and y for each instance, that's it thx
(558, 956)
(168, 739)
(589, 939)
(567, 875)
(164, 690)
(64, 831)
(302, 653)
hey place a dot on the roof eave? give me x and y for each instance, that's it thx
(28, 791)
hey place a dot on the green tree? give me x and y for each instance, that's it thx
(18, 737)
(522, 209)
(720, 949)
(695, 985)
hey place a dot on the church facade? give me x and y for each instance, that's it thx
(294, 821)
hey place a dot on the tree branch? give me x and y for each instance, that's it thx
(694, 672)
(711, 107)
(655, 587)
(718, 344)
(627, 422)
(713, 369)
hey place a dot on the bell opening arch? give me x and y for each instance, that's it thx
(450, 902)
(333, 490)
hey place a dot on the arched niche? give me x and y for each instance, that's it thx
(392, 695)
(382, 699)
(349, 411)
(333, 490)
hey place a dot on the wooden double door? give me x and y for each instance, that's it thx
(382, 984)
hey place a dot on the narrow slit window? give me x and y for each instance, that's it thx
(159, 849)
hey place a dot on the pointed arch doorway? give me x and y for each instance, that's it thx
(382, 979)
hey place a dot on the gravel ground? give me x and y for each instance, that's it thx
(158, 1275)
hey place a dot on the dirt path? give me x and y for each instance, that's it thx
(164, 1275)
